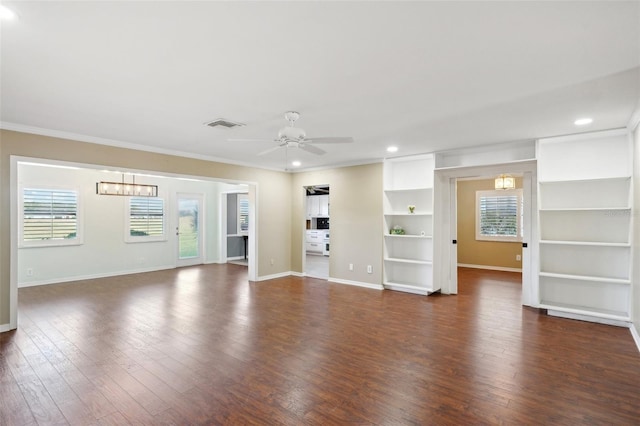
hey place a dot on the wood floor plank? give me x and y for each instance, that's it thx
(202, 345)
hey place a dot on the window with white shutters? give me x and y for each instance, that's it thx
(243, 214)
(146, 219)
(499, 215)
(49, 217)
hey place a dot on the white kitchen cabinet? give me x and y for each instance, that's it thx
(408, 257)
(323, 205)
(313, 206)
(315, 248)
(317, 206)
(585, 223)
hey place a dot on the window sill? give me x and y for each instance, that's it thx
(49, 244)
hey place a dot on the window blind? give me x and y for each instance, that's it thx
(49, 214)
(499, 215)
(146, 216)
(243, 214)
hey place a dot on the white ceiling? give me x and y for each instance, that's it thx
(425, 76)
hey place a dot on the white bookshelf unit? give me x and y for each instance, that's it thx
(408, 258)
(585, 224)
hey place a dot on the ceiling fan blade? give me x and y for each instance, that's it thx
(312, 149)
(330, 140)
(250, 140)
(267, 151)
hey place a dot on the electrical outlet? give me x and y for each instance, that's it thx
(273, 262)
(29, 272)
(518, 257)
(369, 269)
(351, 266)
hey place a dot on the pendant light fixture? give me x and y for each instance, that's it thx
(132, 189)
(505, 181)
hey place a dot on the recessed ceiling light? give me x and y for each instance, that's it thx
(6, 13)
(296, 163)
(392, 149)
(583, 121)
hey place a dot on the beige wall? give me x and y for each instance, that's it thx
(471, 251)
(273, 192)
(356, 220)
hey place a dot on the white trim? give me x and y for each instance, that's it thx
(235, 258)
(6, 327)
(489, 267)
(274, 276)
(298, 274)
(356, 283)
(634, 121)
(589, 318)
(635, 335)
(94, 276)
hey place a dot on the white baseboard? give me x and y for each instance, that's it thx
(491, 268)
(274, 276)
(235, 258)
(356, 283)
(5, 327)
(589, 318)
(636, 336)
(93, 276)
(298, 274)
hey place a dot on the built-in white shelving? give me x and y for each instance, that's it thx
(585, 223)
(408, 257)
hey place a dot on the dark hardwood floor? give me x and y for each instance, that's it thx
(200, 345)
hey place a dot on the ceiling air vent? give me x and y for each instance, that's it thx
(221, 122)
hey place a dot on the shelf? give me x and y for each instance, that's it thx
(585, 310)
(586, 278)
(609, 178)
(577, 209)
(408, 236)
(402, 260)
(408, 287)
(584, 243)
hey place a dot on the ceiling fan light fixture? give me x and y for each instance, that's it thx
(291, 133)
(392, 149)
(296, 163)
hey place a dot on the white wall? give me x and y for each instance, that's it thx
(636, 234)
(104, 251)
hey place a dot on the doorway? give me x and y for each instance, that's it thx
(189, 229)
(317, 233)
(489, 231)
(446, 223)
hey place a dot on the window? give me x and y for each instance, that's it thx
(49, 217)
(243, 214)
(499, 215)
(145, 219)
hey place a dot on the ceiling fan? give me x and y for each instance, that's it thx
(294, 137)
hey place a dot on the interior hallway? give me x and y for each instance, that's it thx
(202, 345)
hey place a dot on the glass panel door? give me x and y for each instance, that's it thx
(189, 230)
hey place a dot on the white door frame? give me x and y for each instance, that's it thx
(446, 253)
(252, 249)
